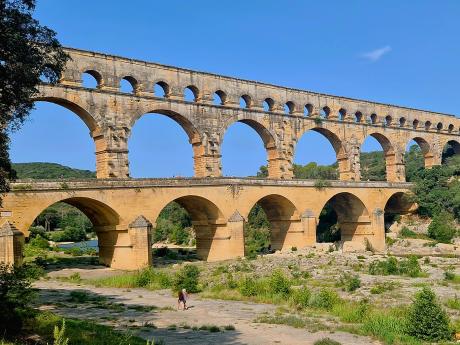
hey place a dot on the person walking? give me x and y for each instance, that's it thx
(182, 299)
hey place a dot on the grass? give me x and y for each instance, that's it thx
(453, 303)
(147, 278)
(326, 341)
(289, 320)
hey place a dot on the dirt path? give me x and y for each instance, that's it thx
(129, 309)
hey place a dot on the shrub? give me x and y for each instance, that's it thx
(391, 266)
(16, 295)
(34, 231)
(427, 320)
(247, 287)
(442, 228)
(349, 282)
(39, 242)
(351, 311)
(70, 234)
(301, 298)
(279, 284)
(382, 287)
(453, 303)
(326, 341)
(407, 233)
(326, 299)
(187, 278)
(148, 277)
(410, 267)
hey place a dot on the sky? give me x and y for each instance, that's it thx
(398, 52)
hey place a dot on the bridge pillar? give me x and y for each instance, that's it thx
(364, 233)
(395, 167)
(285, 234)
(111, 152)
(140, 232)
(220, 241)
(309, 224)
(11, 245)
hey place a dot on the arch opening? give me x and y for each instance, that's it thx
(161, 89)
(191, 94)
(239, 138)
(86, 222)
(219, 97)
(163, 143)
(398, 206)
(289, 107)
(415, 157)
(128, 84)
(450, 153)
(245, 101)
(91, 79)
(316, 155)
(308, 109)
(273, 224)
(324, 112)
(193, 224)
(343, 218)
(358, 117)
(268, 104)
(377, 158)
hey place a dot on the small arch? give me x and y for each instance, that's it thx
(308, 109)
(415, 124)
(439, 126)
(129, 84)
(358, 116)
(402, 121)
(388, 120)
(92, 79)
(427, 125)
(450, 129)
(220, 97)
(289, 107)
(325, 112)
(191, 94)
(268, 104)
(373, 118)
(245, 101)
(342, 114)
(161, 89)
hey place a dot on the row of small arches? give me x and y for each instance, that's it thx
(192, 94)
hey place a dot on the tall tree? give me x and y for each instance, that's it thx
(29, 54)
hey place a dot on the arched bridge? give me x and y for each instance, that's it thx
(123, 210)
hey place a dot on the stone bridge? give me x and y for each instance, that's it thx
(124, 210)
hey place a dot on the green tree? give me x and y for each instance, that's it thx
(28, 52)
(427, 320)
(442, 227)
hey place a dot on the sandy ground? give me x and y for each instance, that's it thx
(55, 296)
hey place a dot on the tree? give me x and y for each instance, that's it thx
(442, 228)
(29, 53)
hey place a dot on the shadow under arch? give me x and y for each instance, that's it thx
(208, 223)
(398, 204)
(104, 220)
(285, 223)
(388, 153)
(194, 136)
(352, 215)
(268, 140)
(450, 149)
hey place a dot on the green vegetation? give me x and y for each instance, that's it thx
(408, 267)
(187, 278)
(173, 225)
(349, 282)
(426, 318)
(442, 228)
(41, 171)
(326, 341)
(146, 278)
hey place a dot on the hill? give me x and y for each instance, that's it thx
(41, 171)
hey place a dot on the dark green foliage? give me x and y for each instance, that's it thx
(314, 171)
(325, 299)
(373, 166)
(40, 171)
(407, 233)
(16, 295)
(279, 284)
(301, 298)
(39, 242)
(349, 282)
(414, 162)
(256, 232)
(70, 234)
(442, 227)
(187, 278)
(427, 320)
(409, 267)
(28, 51)
(173, 225)
(328, 230)
(248, 286)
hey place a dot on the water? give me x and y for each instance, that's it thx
(93, 244)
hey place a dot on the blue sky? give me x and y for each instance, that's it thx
(399, 52)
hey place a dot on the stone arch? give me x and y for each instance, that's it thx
(397, 204)
(195, 91)
(425, 146)
(164, 86)
(268, 139)
(222, 96)
(391, 159)
(96, 75)
(450, 148)
(247, 101)
(209, 224)
(353, 219)
(290, 107)
(285, 221)
(103, 217)
(133, 82)
(194, 136)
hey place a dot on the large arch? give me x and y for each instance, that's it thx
(451, 148)
(425, 146)
(353, 219)
(285, 222)
(103, 218)
(397, 205)
(268, 140)
(191, 132)
(209, 225)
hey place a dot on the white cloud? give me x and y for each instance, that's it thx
(376, 54)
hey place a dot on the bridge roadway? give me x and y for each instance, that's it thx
(124, 212)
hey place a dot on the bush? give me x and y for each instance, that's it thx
(16, 295)
(187, 278)
(382, 287)
(442, 227)
(247, 287)
(70, 234)
(301, 298)
(326, 299)
(391, 266)
(427, 320)
(326, 341)
(34, 231)
(279, 284)
(39, 242)
(407, 233)
(349, 282)
(148, 277)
